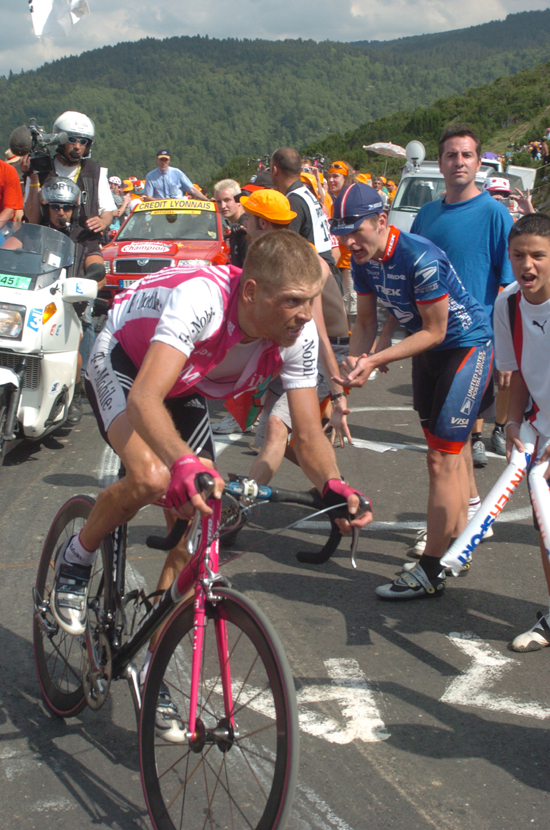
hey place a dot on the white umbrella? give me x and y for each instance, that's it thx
(386, 148)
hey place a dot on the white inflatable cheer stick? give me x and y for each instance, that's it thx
(460, 552)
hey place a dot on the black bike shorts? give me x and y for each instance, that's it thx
(110, 375)
(448, 387)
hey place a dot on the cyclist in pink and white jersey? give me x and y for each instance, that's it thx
(171, 339)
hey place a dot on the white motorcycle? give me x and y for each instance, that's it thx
(39, 330)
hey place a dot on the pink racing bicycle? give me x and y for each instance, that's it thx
(231, 758)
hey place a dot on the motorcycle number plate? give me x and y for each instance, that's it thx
(11, 281)
(126, 283)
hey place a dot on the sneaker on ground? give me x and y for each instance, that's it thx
(410, 566)
(413, 585)
(498, 442)
(537, 637)
(479, 456)
(420, 545)
(227, 426)
(68, 599)
(168, 723)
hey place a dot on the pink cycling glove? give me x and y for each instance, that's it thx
(336, 492)
(182, 483)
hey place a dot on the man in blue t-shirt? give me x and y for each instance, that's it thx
(472, 228)
(451, 346)
(168, 182)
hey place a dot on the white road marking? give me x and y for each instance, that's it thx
(348, 687)
(317, 812)
(221, 443)
(487, 667)
(382, 409)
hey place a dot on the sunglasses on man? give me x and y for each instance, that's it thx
(73, 139)
(57, 207)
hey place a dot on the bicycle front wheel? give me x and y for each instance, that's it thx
(235, 776)
(59, 656)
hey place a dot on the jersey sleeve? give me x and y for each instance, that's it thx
(429, 272)
(300, 361)
(360, 280)
(193, 313)
(504, 344)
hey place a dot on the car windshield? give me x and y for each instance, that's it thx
(170, 224)
(32, 256)
(414, 192)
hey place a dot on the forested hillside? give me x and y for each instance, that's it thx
(515, 108)
(209, 100)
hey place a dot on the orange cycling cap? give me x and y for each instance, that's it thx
(364, 178)
(339, 167)
(270, 205)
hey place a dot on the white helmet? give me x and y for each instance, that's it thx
(76, 124)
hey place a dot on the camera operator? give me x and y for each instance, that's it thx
(72, 161)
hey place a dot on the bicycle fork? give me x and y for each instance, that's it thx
(203, 592)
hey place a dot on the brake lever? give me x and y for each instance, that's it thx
(364, 505)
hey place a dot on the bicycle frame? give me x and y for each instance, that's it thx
(200, 573)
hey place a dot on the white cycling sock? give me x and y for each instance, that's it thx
(473, 507)
(77, 554)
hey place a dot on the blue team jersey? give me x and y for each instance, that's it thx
(413, 272)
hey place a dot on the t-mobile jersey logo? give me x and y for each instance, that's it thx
(540, 325)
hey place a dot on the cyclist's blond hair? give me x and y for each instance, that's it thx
(279, 258)
(227, 184)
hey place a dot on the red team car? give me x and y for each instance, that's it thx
(163, 234)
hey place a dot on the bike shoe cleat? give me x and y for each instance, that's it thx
(168, 723)
(413, 585)
(68, 599)
(536, 638)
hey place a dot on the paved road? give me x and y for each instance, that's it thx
(413, 716)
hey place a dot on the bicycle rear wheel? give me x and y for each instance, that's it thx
(59, 656)
(247, 778)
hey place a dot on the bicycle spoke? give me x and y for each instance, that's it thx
(232, 800)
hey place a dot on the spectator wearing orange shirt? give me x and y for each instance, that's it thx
(11, 196)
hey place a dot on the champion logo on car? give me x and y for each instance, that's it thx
(145, 248)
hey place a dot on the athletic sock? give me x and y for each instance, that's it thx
(431, 565)
(77, 554)
(476, 436)
(145, 667)
(499, 427)
(473, 507)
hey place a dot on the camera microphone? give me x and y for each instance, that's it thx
(20, 141)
